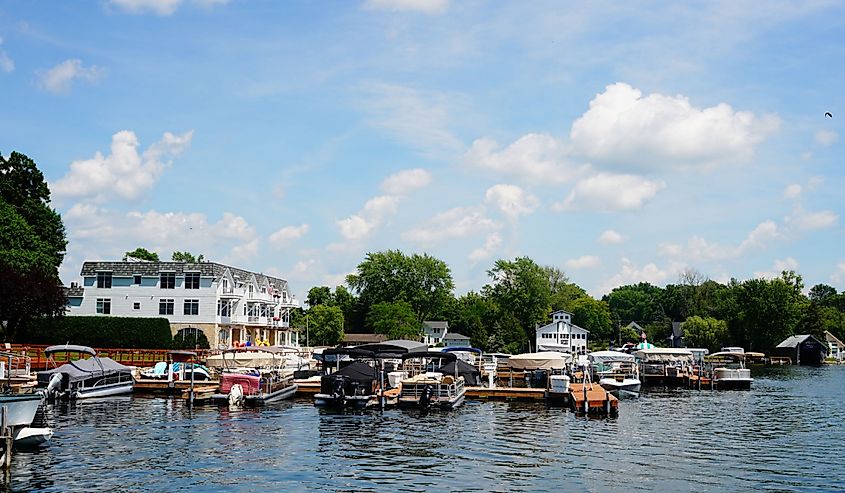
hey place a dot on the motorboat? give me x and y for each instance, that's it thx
(83, 378)
(545, 369)
(729, 371)
(665, 366)
(433, 386)
(253, 376)
(179, 366)
(616, 372)
(29, 437)
(353, 379)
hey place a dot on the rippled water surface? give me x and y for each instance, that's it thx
(787, 434)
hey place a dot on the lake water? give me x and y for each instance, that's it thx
(786, 434)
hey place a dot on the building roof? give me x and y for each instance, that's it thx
(561, 311)
(74, 291)
(634, 325)
(153, 269)
(363, 338)
(437, 324)
(794, 341)
(832, 338)
(454, 336)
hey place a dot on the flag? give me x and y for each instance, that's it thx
(643, 335)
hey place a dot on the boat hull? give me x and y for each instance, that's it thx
(344, 402)
(445, 404)
(28, 437)
(732, 379)
(278, 395)
(20, 408)
(630, 385)
(103, 391)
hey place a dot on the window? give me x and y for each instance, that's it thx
(168, 280)
(191, 307)
(137, 279)
(224, 308)
(264, 290)
(104, 280)
(104, 305)
(165, 306)
(225, 285)
(136, 306)
(251, 289)
(192, 280)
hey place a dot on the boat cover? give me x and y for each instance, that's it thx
(664, 355)
(605, 357)
(358, 371)
(244, 359)
(397, 346)
(546, 360)
(69, 348)
(470, 373)
(84, 369)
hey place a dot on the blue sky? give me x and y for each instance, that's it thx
(620, 142)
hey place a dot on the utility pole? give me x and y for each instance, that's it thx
(306, 332)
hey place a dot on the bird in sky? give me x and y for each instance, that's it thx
(828, 114)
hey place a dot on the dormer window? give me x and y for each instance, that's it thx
(251, 288)
(104, 280)
(167, 280)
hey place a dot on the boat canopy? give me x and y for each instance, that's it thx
(70, 348)
(249, 359)
(462, 368)
(725, 355)
(350, 351)
(610, 357)
(664, 355)
(357, 371)
(427, 354)
(546, 360)
(84, 369)
(462, 350)
(396, 346)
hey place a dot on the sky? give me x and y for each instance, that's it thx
(621, 142)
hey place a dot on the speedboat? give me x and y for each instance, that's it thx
(616, 372)
(253, 376)
(431, 386)
(84, 378)
(729, 371)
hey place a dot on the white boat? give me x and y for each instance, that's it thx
(84, 378)
(254, 376)
(20, 408)
(29, 437)
(442, 388)
(729, 371)
(616, 372)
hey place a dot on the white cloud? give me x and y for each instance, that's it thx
(158, 7)
(811, 220)
(406, 181)
(124, 173)
(355, 227)
(838, 276)
(242, 253)
(699, 249)
(459, 222)
(610, 192)
(826, 137)
(536, 158)
(779, 266)
(60, 78)
(289, 233)
(424, 6)
(6, 63)
(609, 237)
(793, 191)
(624, 128)
(511, 200)
(630, 273)
(493, 242)
(583, 262)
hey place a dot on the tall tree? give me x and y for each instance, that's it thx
(141, 253)
(325, 325)
(520, 288)
(705, 332)
(472, 315)
(593, 315)
(186, 257)
(396, 320)
(32, 246)
(319, 295)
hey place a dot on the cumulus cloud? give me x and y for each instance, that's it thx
(630, 273)
(625, 128)
(493, 242)
(289, 233)
(610, 237)
(583, 262)
(838, 276)
(123, 173)
(699, 249)
(779, 266)
(158, 7)
(793, 191)
(608, 192)
(6, 63)
(459, 222)
(511, 200)
(826, 137)
(536, 158)
(424, 6)
(60, 78)
(406, 181)
(806, 221)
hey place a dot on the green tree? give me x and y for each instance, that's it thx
(421, 280)
(325, 324)
(520, 288)
(396, 320)
(319, 295)
(705, 333)
(471, 315)
(186, 257)
(593, 315)
(141, 253)
(32, 246)
(635, 303)
(822, 294)
(769, 310)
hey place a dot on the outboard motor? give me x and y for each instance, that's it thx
(236, 396)
(54, 387)
(338, 389)
(425, 396)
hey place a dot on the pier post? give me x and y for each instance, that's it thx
(7, 437)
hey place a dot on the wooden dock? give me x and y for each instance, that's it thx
(162, 386)
(307, 387)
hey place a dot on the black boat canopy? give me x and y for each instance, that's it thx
(398, 346)
(470, 373)
(357, 371)
(429, 354)
(351, 351)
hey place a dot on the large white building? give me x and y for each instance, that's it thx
(434, 332)
(227, 304)
(562, 335)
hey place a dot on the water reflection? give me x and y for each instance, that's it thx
(779, 436)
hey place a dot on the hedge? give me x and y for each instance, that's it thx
(99, 332)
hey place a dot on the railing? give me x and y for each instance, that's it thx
(128, 357)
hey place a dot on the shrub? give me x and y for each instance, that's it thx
(99, 332)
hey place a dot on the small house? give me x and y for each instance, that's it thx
(562, 335)
(804, 349)
(453, 339)
(835, 346)
(434, 332)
